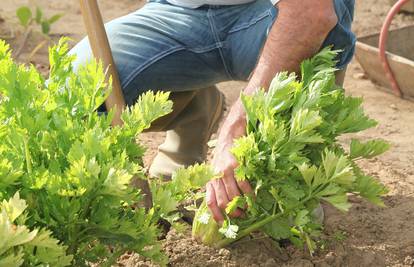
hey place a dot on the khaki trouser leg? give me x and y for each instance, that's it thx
(188, 132)
(340, 77)
(180, 102)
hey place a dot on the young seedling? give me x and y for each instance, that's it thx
(29, 21)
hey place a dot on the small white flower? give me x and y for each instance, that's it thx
(204, 218)
(230, 231)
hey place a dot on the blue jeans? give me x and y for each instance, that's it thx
(171, 48)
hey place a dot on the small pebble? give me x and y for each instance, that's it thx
(360, 75)
(393, 106)
(409, 250)
(409, 260)
(330, 257)
(224, 252)
(270, 263)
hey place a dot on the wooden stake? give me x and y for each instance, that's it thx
(101, 50)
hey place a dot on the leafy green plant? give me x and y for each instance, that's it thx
(20, 245)
(28, 20)
(340, 236)
(72, 168)
(183, 188)
(293, 160)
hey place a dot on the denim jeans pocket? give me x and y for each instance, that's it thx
(248, 24)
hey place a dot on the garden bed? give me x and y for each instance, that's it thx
(366, 236)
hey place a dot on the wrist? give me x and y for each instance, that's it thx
(234, 125)
(262, 76)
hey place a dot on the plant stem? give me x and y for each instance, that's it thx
(256, 226)
(27, 156)
(36, 49)
(248, 230)
(23, 43)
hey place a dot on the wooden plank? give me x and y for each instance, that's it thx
(408, 7)
(400, 41)
(403, 68)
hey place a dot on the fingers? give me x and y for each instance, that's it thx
(232, 190)
(212, 203)
(230, 184)
(237, 213)
(245, 187)
(217, 199)
(221, 193)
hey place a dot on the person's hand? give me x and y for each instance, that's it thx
(221, 191)
(318, 18)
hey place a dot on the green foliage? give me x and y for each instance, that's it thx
(370, 189)
(367, 150)
(26, 18)
(293, 160)
(340, 236)
(184, 185)
(24, 14)
(72, 168)
(20, 245)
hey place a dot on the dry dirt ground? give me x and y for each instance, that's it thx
(366, 236)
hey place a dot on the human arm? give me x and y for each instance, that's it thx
(298, 33)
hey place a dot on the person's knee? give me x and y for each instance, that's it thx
(82, 53)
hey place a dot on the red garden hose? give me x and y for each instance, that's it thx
(382, 46)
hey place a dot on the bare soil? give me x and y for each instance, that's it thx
(366, 236)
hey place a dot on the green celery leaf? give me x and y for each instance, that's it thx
(278, 228)
(339, 201)
(368, 149)
(13, 235)
(371, 189)
(308, 172)
(12, 259)
(193, 177)
(254, 107)
(149, 107)
(302, 218)
(49, 251)
(24, 14)
(338, 168)
(303, 127)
